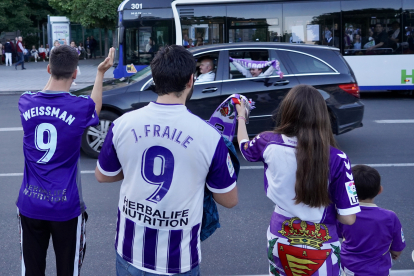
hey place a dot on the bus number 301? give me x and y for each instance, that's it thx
(136, 6)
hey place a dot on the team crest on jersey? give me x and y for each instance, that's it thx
(230, 165)
(301, 260)
(246, 145)
(352, 194)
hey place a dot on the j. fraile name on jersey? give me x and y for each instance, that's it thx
(165, 132)
(48, 111)
(146, 214)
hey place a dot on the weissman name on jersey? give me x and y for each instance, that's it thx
(48, 111)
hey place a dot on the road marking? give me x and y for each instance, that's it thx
(408, 121)
(11, 129)
(371, 165)
(249, 168)
(21, 174)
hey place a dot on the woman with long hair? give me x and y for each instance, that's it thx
(308, 179)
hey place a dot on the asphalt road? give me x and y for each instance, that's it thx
(239, 246)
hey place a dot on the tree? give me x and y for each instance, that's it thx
(90, 13)
(23, 15)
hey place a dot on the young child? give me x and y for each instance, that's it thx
(376, 236)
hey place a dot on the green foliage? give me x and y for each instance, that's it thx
(89, 13)
(23, 15)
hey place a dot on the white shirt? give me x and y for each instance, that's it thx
(42, 50)
(167, 155)
(210, 76)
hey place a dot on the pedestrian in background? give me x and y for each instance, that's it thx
(92, 46)
(34, 53)
(16, 52)
(82, 50)
(55, 44)
(42, 53)
(47, 49)
(8, 50)
(20, 50)
(88, 47)
(73, 45)
(1, 53)
(26, 54)
(301, 158)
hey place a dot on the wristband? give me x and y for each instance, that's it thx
(241, 117)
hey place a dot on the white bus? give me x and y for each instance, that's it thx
(376, 37)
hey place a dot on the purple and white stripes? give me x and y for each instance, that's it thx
(164, 251)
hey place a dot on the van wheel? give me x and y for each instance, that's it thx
(94, 136)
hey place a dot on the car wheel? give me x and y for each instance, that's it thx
(94, 136)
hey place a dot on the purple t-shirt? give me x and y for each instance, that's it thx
(53, 124)
(366, 246)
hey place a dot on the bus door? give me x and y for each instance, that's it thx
(144, 33)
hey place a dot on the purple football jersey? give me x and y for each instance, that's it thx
(366, 246)
(299, 233)
(53, 124)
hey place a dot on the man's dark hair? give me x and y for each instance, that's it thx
(63, 62)
(172, 68)
(367, 181)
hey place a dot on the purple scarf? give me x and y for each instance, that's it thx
(251, 64)
(224, 118)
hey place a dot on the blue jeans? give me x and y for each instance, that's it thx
(21, 60)
(124, 268)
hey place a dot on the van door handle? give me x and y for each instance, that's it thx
(282, 82)
(209, 90)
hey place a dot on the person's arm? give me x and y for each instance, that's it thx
(241, 126)
(395, 254)
(242, 70)
(269, 71)
(228, 200)
(346, 219)
(108, 168)
(108, 179)
(96, 94)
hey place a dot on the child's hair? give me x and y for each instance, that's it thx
(367, 181)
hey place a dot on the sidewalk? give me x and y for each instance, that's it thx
(36, 76)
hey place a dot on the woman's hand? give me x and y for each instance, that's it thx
(241, 109)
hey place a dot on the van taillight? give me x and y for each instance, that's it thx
(351, 88)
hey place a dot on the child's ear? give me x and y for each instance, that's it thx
(381, 189)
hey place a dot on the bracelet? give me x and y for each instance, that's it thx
(241, 117)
